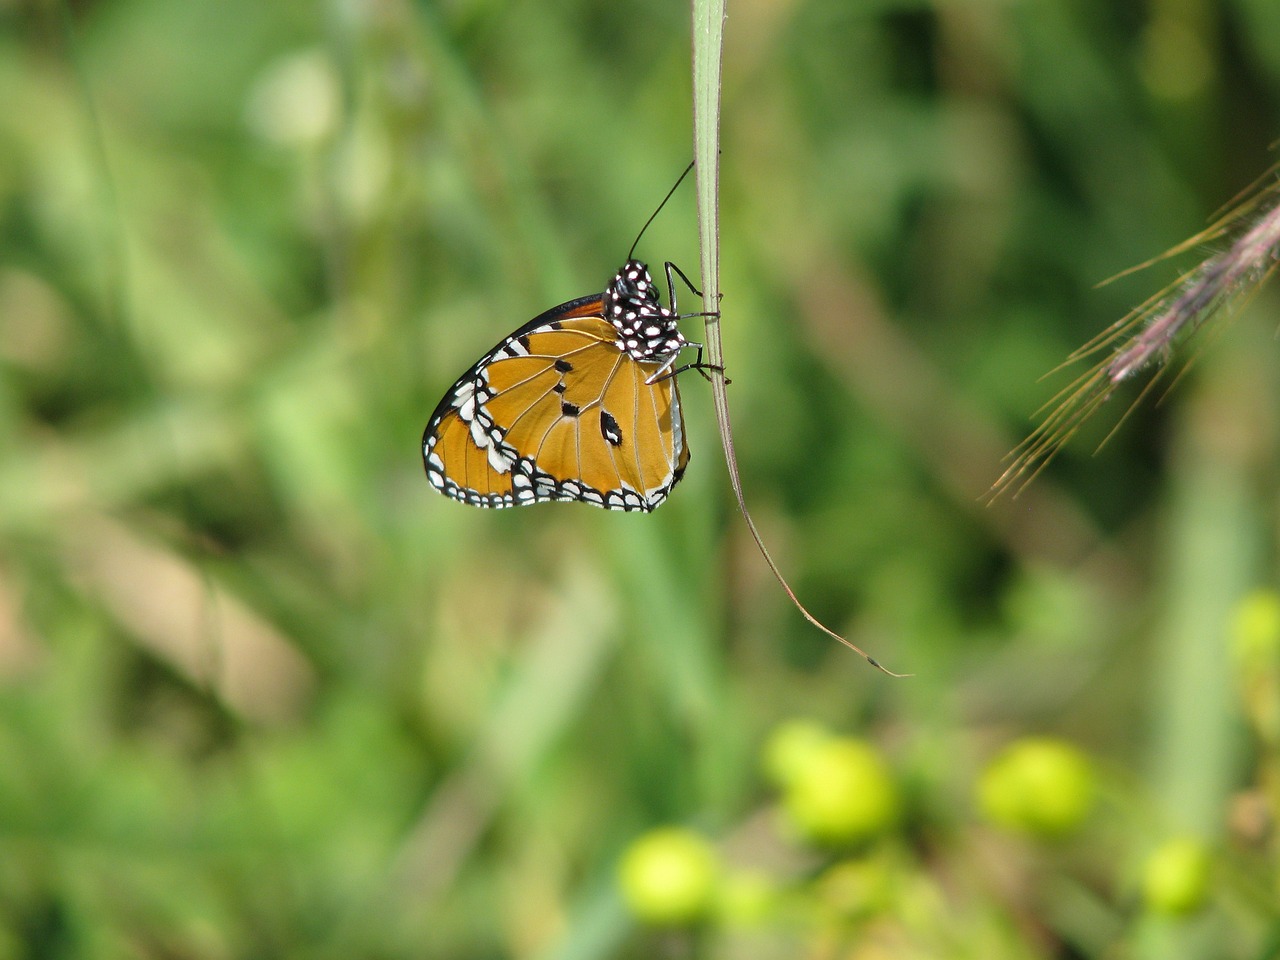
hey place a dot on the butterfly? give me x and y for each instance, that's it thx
(579, 404)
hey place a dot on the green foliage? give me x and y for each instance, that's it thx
(264, 694)
(1175, 878)
(668, 877)
(842, 793)
(1043, 786)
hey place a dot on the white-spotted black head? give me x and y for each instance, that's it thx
(646, 329)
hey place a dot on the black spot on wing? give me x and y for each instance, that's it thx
(609, 428)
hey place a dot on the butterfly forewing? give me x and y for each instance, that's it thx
(559, 411)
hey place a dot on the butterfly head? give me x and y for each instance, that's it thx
(646, 329)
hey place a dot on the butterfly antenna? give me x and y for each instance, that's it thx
(655, 213)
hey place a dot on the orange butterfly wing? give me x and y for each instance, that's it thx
(559, 411)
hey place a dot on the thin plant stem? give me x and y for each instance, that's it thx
(708, 45)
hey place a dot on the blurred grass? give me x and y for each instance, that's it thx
(263, 693)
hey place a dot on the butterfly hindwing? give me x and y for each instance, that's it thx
(559, 410)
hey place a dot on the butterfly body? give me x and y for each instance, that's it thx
(576, 405)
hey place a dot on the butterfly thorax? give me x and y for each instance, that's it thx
(646, 329)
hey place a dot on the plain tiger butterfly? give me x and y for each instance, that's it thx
(579, 404)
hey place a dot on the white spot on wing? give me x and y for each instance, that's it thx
(499, 463)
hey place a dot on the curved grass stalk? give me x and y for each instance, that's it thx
(708, 44)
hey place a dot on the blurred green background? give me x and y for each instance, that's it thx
(264, 694)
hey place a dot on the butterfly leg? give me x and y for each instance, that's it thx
(672, 272)
(663, 373)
